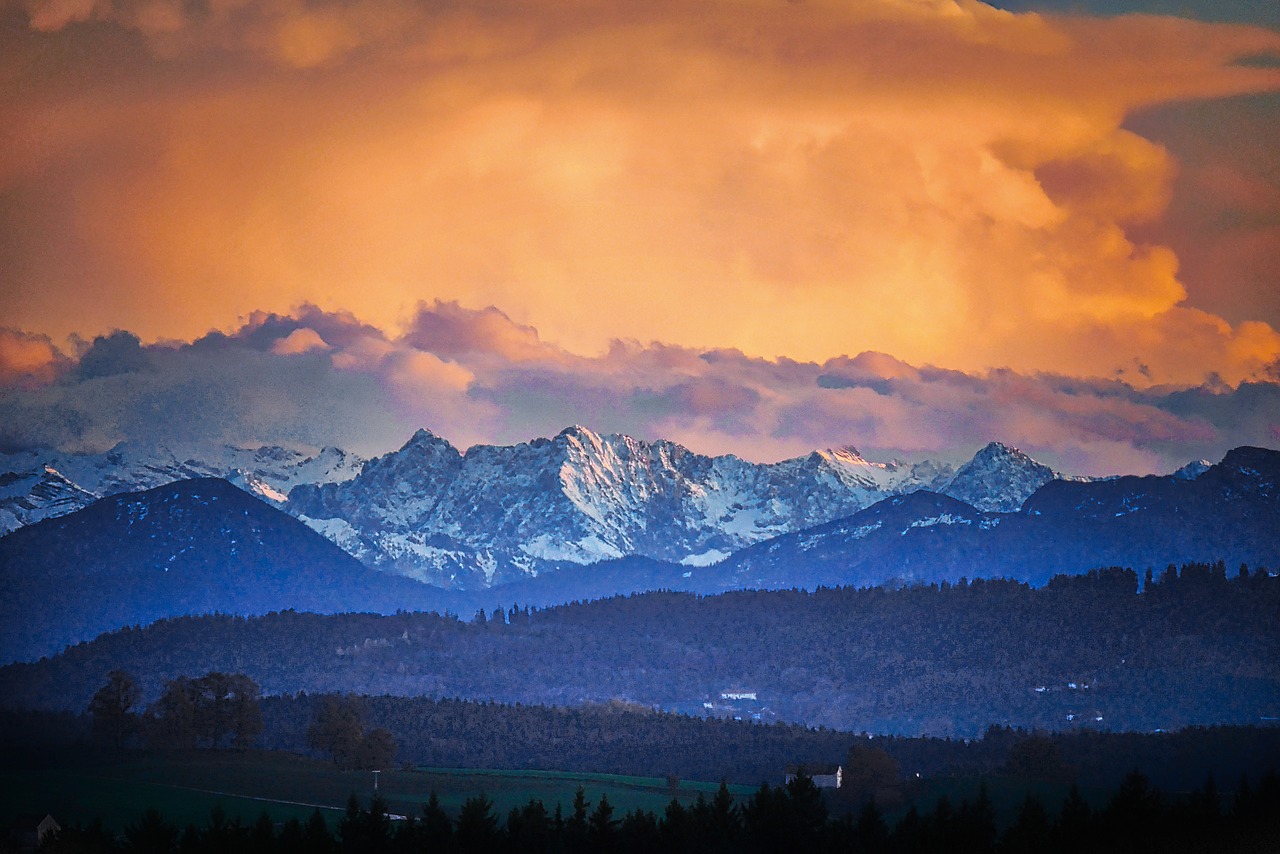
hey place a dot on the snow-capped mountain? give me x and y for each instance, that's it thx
(499, 513)
(38, 484)
(1192, 470)
(1230, 512)
(998, 479)
(37, 493)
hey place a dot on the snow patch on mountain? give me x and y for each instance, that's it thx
(38, 493)
(940, 519)
(1192, 470)
(705, 559)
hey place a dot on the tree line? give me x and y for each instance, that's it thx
(776, 819)
(1111, 650)
(374, 732)
(223, 710)
(213, 711)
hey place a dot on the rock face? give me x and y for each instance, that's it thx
(497, 514)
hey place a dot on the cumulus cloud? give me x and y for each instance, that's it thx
(298, 341)
(452, 332)
(944, 181)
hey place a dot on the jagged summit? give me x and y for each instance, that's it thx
(1192, 470)
(422, 434)
(999, 478)
(503, 512)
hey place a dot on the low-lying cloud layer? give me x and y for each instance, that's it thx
(937, 179)
(316, 378)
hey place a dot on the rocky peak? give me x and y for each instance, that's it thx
(999, 478)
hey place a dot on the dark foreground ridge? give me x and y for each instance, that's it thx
(793, 817)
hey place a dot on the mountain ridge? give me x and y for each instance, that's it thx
(1230, 512)
(188, 547)
(496, 514)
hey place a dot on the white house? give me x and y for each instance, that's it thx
(823, 775)
(738, 695)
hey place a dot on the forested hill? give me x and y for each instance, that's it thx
(1194, 647)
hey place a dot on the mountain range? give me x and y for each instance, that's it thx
(500, 514)
(1228, 512)
(202, 545)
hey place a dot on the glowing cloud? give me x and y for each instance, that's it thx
(943, 181)
(26, 360)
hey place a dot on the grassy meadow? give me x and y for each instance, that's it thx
(185, 788)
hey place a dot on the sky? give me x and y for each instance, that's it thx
(754, 227)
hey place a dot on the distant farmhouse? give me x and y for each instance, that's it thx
(29, 831)
(824, 776)
(740, 704)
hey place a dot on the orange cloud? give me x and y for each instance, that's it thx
(26, 360)
(941, 180)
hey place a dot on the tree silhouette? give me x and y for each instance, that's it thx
(477, 831)
(112, 709)
(336, 728)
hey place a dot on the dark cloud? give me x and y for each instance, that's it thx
(118, 353)
(1226, 11)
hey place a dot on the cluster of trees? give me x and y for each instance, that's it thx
(794, 817)
(220, 710)
(337, 729)
(217, 710)
(606, 738)
(1196, 647)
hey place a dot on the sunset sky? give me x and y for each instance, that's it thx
(752, 226)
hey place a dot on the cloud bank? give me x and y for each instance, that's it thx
(312, 377)
(937, 179)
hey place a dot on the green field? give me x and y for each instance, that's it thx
(186, 788)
